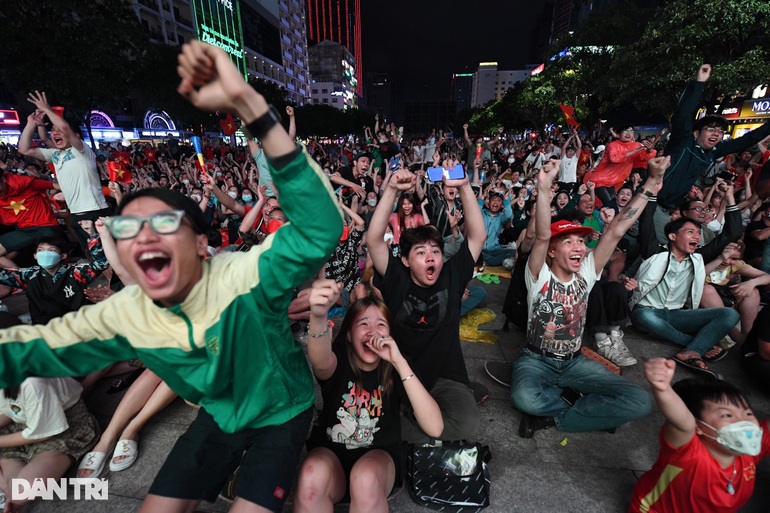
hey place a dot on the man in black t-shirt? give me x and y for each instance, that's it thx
(758, 241)
(756, 350)
(424, 296)
(355, 179)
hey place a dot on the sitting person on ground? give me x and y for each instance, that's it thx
(54, 287)
(45, 428)
(671, 281)
(710, 445)
(725, 286)
(496, 211)
(552, 383)
(424, 296)
(355, 450)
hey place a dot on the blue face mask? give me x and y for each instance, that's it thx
(247, 198)
(48, 259)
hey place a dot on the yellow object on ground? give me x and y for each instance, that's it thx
(469, 326)
(498, 270)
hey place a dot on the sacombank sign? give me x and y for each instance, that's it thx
(218, 22)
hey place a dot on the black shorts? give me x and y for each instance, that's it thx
(25, 238)
(205, 456)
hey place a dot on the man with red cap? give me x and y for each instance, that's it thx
(552, 383)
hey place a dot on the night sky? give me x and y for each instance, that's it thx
(421, 43)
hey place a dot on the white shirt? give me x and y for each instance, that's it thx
(78, 178)
(568, 169)
(673, 291)
(41, 405)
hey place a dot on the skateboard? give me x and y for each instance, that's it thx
(500, 372)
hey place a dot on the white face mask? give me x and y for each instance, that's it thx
(742, 437)
(372, 202)
(388, 238)
(185, 181)
(195, 197)
(232, 194)
(511, 160)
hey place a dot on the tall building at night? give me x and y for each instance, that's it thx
(332, 72)
(338, 21)
(462, 90)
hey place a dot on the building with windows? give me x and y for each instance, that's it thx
(333, 75)
(462, 90)
(338, 21)
(489, 83)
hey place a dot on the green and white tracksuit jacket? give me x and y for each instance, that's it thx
(228, 346)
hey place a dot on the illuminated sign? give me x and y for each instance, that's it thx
(9, 117)
(218, 22)
(537, 70)
(759, 108)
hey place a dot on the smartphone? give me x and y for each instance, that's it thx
(436, 174)
(570, 396)
(457, 172)
(394, 163)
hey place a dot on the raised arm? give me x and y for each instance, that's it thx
(475, 230)
(323, 294)
(292, 122)
(41, 102)
(628, 216)
(402, 180)
(111, 252)
(548, 173)
(25, 140)
(680, 423)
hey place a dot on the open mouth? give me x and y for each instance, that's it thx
(430, 272)
(576, 259)
(693, 244)
(57, 139)
(156, 266)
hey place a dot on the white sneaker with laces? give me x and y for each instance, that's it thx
(623, 357)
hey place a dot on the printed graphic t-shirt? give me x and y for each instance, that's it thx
(557, 310)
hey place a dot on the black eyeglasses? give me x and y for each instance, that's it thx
(128, 227)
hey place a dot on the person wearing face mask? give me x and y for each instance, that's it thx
(55, 287)
(710, 445)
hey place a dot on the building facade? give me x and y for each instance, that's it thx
(333, 75)
(462, 90)
(490, 84)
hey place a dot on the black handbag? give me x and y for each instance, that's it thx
(452, 477)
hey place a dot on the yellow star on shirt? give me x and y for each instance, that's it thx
(17, 206)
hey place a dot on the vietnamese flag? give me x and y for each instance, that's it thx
(569, 115)
(123, 157)
(118, 172)
(228, 125)
(151, 155)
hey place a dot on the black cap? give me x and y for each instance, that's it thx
(362, 154)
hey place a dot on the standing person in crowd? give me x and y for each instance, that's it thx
(569, 161)
(355, 450)
(619, 158)
(425, 295)
(191, 315)
(710, 445)
(552, 383)
(695, 145)
(75, 165)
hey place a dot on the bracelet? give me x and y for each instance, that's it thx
(647, 193)
(329, 326)
(407, 378)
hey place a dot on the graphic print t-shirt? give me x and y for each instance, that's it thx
(557, 310)
(356, 418)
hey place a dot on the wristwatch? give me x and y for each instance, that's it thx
(646, 193)
(262, 125)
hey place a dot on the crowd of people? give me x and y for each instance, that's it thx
(220, 257)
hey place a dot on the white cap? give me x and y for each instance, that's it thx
(599, 149)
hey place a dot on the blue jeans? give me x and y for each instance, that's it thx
(475, 297)
(495, 256)
(697, 330)
(609, 401)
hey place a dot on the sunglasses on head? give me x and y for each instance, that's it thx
(128, 227)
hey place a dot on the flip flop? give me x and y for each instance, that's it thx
(93, 461)
(127, 448)
(494, 279)
(721, 354)
(500, 371)
(484, 278)
(692, 363)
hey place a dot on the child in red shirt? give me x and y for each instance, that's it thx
(710, 445)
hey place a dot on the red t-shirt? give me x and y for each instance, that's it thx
(690, 479)
(25, 203)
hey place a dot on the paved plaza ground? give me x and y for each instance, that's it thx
(552, 472)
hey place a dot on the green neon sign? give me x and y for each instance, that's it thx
(218, 22)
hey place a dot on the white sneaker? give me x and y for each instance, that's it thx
(615, 350)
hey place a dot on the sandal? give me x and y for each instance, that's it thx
(129, 449)
(692, 363)
(93, 461)
(722, 352)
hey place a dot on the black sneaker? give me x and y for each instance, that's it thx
(531, 423)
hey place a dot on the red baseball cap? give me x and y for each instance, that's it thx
(560, 228)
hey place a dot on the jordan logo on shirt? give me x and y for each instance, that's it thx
(422, 320)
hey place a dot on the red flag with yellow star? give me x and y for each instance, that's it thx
(228, 125)
(123, 157)
(569, 115)
(118, 172)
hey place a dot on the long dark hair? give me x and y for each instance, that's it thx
(384, 368)
(400, 209)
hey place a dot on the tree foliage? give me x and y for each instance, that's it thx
(83, 54)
